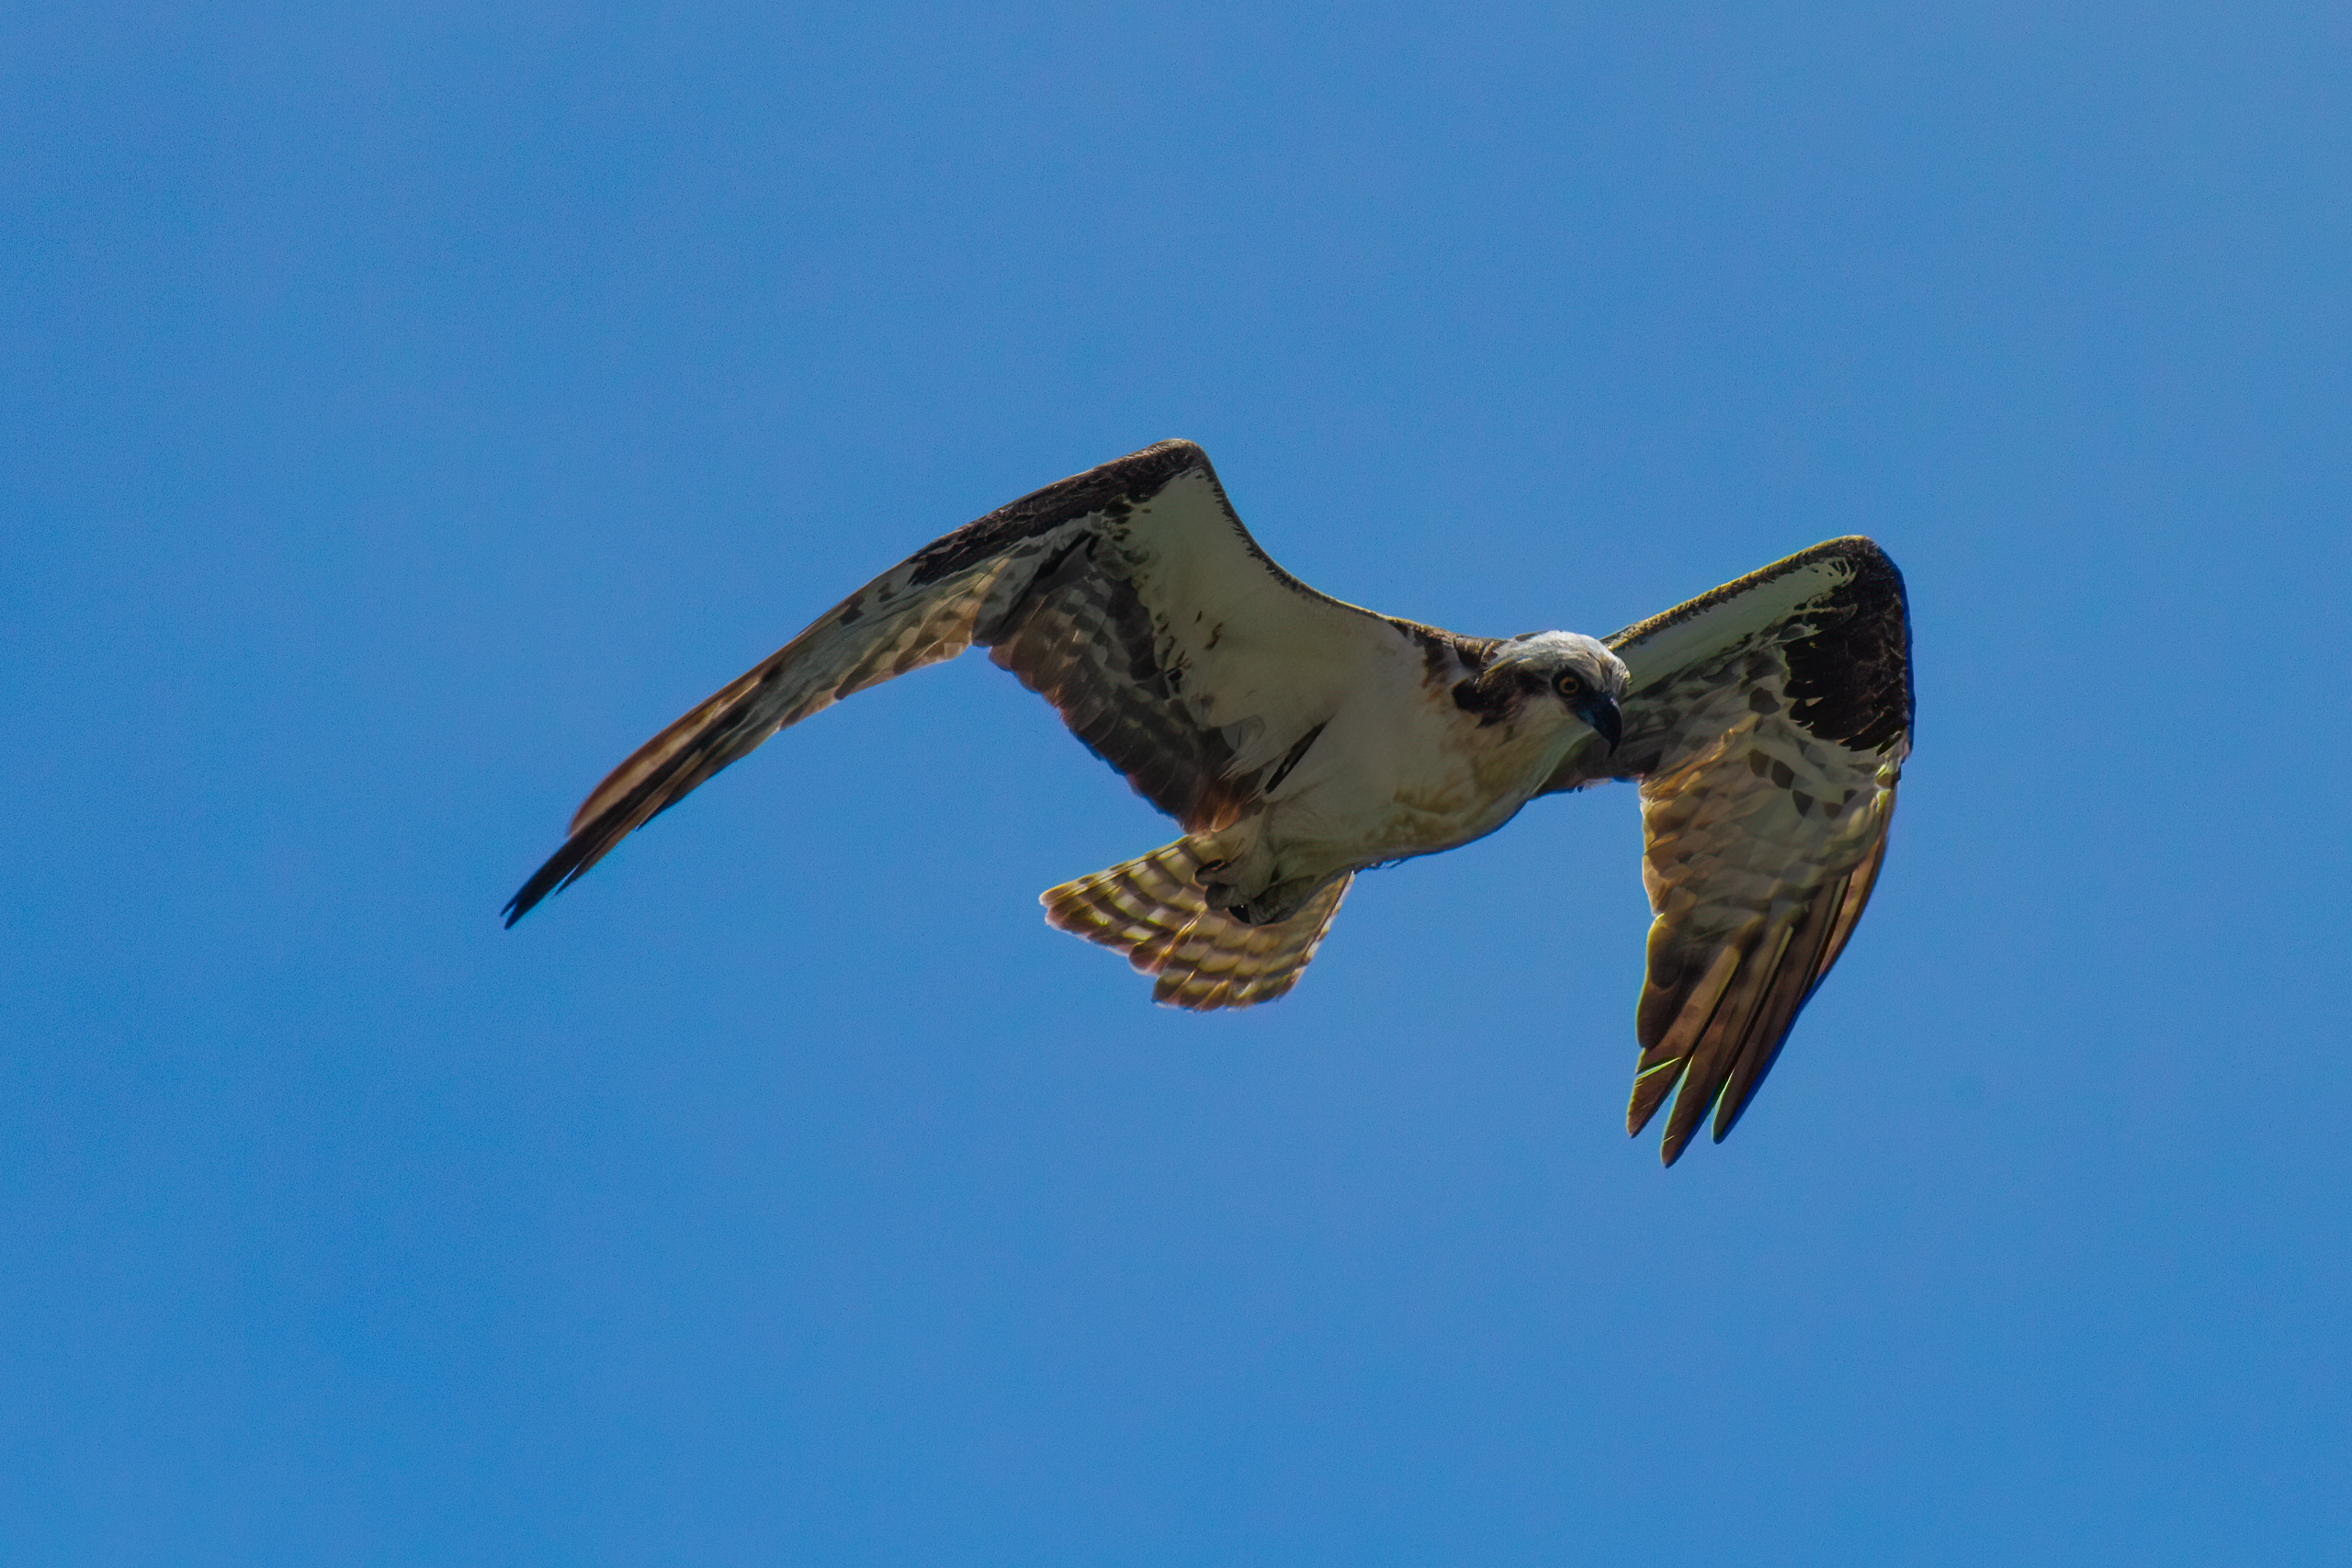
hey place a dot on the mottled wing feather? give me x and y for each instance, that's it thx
(1130, 596)
(1767, 726)
(1083, 640)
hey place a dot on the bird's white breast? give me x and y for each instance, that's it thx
(1401, 769)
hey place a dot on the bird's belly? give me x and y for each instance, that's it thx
(1391, 808)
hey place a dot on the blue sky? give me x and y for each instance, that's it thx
(410, 410)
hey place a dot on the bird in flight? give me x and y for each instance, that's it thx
(1298, 740)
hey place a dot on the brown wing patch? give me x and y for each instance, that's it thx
(1081, 637)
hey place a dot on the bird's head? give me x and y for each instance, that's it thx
(1575, 671)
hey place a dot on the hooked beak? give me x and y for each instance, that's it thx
(1600, 712)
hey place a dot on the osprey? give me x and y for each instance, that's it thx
(1299, 740)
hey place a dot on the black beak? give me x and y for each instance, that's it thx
(1600, 712)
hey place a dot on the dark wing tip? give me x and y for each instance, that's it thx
(563, 869)
(1650, 1092)
(1653, 1084)
(656, 775)
(664, 787)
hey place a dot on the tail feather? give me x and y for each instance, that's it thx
(1152, 910)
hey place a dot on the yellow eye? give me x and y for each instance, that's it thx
(1570, 684)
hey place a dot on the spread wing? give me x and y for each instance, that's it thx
(1766, 723)
(1129, 595)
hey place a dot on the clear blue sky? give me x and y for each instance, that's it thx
(407, 410)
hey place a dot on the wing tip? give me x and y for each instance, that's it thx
(1652, 1085)
(570, 863)
(548, 880)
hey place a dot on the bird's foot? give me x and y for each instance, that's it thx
(1241, 882)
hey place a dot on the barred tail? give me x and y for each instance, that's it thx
(1152, 910)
